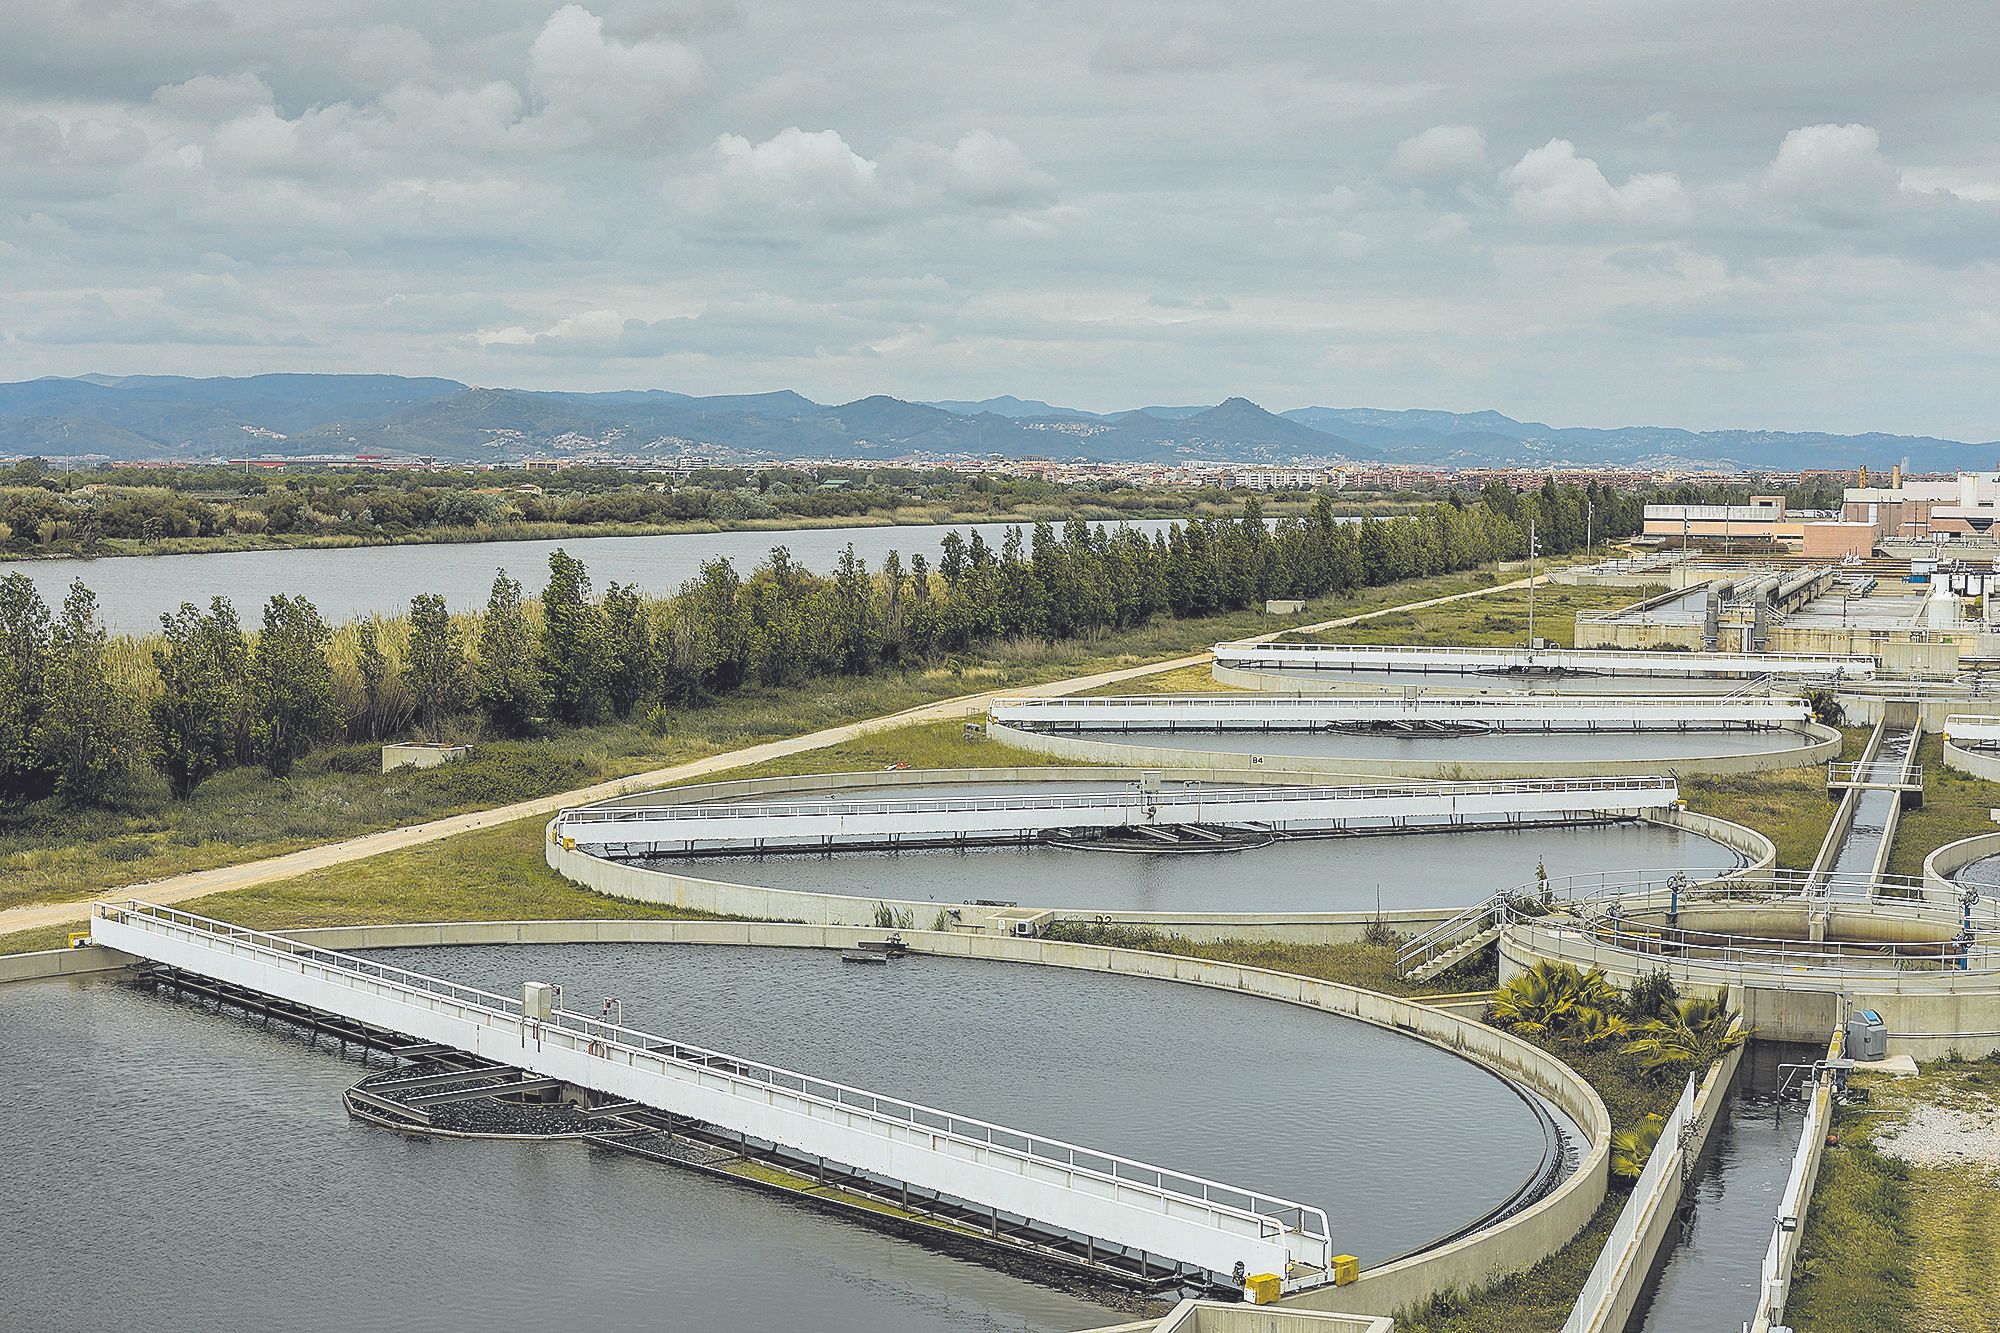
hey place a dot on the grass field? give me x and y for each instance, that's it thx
(1896, 1247)
(1499, 621)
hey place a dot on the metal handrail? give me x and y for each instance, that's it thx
(1446, 935)
(1277, 703)
(1598, 916)
(1878, 772)
(634, 1047)
(1118, 798)
(1634, 656)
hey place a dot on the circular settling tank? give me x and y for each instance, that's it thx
(1407, 869)
(282, 1208)
(1363, 681)
(1443, 867)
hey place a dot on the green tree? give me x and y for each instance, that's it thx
(572, 644)
(89, 728)
(372, 666)
(201, 664)
(627, 661)
(505, 682)
(24, 657)
(434, 672)
(291, 684)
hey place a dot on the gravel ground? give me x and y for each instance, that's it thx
(1946, 1136)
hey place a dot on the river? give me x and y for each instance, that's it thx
(351, 582)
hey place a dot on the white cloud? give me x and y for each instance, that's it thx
(1835, 172)
(598, 87)
(981, 168)
(797, 169)
(214, 97)
(1440, 153)
(1555, 184)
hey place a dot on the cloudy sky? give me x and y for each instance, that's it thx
(1781, 215)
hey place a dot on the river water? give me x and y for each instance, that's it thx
(175, 1169)
(350, 582)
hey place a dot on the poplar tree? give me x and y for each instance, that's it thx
(506, 683)
(201, 664)
(24, 655)
(627, 649)
(434, 672)
(89, 729)
(291, 684)
(572, 644)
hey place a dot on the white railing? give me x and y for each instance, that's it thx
(1284, 711)
(1124, 798)
(1774, 1282)
(1875, 773)
(1624, 912)
(1447, 935)
(1419, 658)
(1300, 1228)
(1660, 1172)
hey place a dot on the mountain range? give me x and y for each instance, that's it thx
(163, 417)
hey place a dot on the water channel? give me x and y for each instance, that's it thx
(227, 1189)
(1708, 1279)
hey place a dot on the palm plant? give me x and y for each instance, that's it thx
(1594, 1027)
(1699, 1031)
(1552, 997)
(1631, 1147)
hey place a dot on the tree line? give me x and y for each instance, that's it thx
(77, 718)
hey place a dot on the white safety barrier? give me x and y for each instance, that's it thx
(1774, 1283)
(1287, 712)
(893, 820)
(1972, 729)
(1661, 1173)
(1417, 658)
(1166, 1214)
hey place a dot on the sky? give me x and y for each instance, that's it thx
(1772, 216)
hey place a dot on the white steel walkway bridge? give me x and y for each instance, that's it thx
(1291, 712)
(1164, 1215)
(627, 831)
(1420, 659)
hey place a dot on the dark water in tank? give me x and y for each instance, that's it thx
(1446, 868)
(1708, 1278)
(1540, 683)
(1488, 747)
(175, 1169)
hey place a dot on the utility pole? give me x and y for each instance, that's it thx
(1533, 551)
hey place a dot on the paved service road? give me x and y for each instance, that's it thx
(221, 879)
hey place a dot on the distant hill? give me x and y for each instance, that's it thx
(170, 417)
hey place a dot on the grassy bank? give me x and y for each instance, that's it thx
(1500, 621)
(1789, 806)
(1955, 806)
(1895, 1246)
